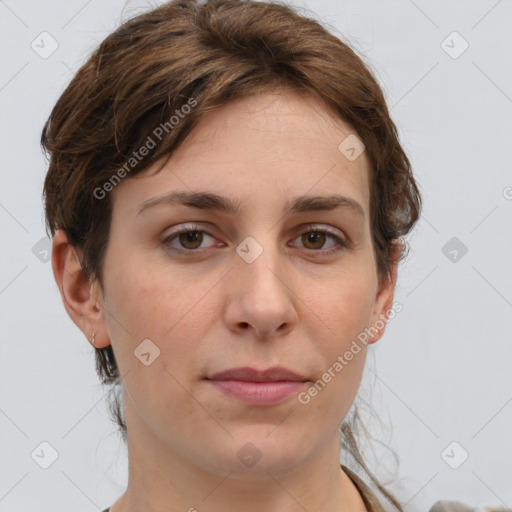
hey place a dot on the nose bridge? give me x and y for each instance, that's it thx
(260, 292)
(261, 260)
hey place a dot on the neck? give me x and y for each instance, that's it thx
(160, 477)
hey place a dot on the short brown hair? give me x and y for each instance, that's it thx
(214, 52)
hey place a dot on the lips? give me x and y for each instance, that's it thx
(258, 387)
(248, 374)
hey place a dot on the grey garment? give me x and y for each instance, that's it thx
(448, 506)
(457, 506)
(372, 504)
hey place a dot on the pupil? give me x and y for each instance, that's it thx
(190, 237)
(313, 237)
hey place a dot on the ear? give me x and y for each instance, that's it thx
(384, 299)
(82, 298)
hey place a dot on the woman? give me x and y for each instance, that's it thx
(228, 198)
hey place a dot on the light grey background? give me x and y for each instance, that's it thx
(443, 366)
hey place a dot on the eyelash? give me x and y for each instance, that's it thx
(309, 229)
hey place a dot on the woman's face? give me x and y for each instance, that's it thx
(266, 286)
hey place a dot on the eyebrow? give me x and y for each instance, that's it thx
(212, 201)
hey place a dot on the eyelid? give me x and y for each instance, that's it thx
(341, 240)
(184, 228)
(320, 227)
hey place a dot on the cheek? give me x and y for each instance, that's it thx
(166, 309)
(159, 303)
(342, 312)
(344, 307)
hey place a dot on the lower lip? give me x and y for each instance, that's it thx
(258, 393)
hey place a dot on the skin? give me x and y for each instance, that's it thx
(294, 305)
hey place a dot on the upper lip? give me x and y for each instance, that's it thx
(248, 374)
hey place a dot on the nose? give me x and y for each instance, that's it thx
(260, 296)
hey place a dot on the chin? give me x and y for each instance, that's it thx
(263, 454)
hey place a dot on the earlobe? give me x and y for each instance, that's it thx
(76, 290)
(384, 300)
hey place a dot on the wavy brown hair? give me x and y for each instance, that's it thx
(214, 52)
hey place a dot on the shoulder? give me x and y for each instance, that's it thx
(456, 506)
(450, 506)
(370, 501)
(373, 505)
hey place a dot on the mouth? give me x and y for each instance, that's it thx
(249, 374)
(258, 387)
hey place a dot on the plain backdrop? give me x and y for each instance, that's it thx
(440, 377)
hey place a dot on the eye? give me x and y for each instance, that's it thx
(315, 238)
(189, 237)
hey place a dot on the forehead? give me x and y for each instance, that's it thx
(288, 142)
(293, 122)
